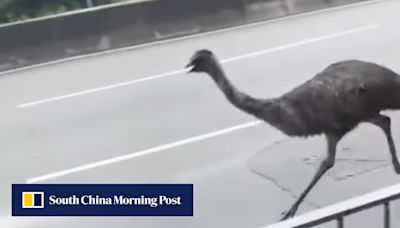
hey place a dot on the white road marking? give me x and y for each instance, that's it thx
(176, 72)
(8, 221)
(158, 76)
(303, 42)
(143, 152)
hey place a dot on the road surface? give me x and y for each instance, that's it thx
(134, 116)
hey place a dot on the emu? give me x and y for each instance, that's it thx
(331, 103)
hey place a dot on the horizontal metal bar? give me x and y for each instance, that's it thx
(85, 10)
(341, 209)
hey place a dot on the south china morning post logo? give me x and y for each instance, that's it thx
(97, 200)
(102, 200)
(33, 200)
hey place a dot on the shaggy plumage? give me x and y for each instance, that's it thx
(332, 103)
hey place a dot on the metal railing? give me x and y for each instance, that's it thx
(338, 212)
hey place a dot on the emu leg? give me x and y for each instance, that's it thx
(324, 166)
(383, 122)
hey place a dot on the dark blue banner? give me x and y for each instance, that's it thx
(102, 200)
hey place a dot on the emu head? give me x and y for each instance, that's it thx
(201, 61)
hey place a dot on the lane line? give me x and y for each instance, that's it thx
(121, 84)
(224, 61)
(193, 36)
(303, 42)
(143, 152)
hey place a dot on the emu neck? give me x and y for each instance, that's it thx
(237, 98)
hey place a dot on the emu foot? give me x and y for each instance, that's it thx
(288, 214)
(396, 168)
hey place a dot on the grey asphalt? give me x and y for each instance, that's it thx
(50, 137)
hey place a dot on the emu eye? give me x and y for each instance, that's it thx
(362, 89)
(359, 90)
(198, 61)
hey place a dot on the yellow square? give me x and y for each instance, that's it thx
(28, 199)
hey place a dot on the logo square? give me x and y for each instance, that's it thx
(33, 200)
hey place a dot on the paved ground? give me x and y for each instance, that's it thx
(71, 122)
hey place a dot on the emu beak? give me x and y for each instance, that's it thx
(189, 68)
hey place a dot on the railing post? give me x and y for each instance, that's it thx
(386, 215)
(340, 223)
(89, 3)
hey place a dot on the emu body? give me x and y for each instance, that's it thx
(335, 100)
(332, 103)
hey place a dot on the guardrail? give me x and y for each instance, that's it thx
(339, 211)
(103, 28)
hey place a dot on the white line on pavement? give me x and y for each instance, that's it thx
(143, 152)
(232, 59)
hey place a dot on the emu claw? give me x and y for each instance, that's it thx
(288, 214)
